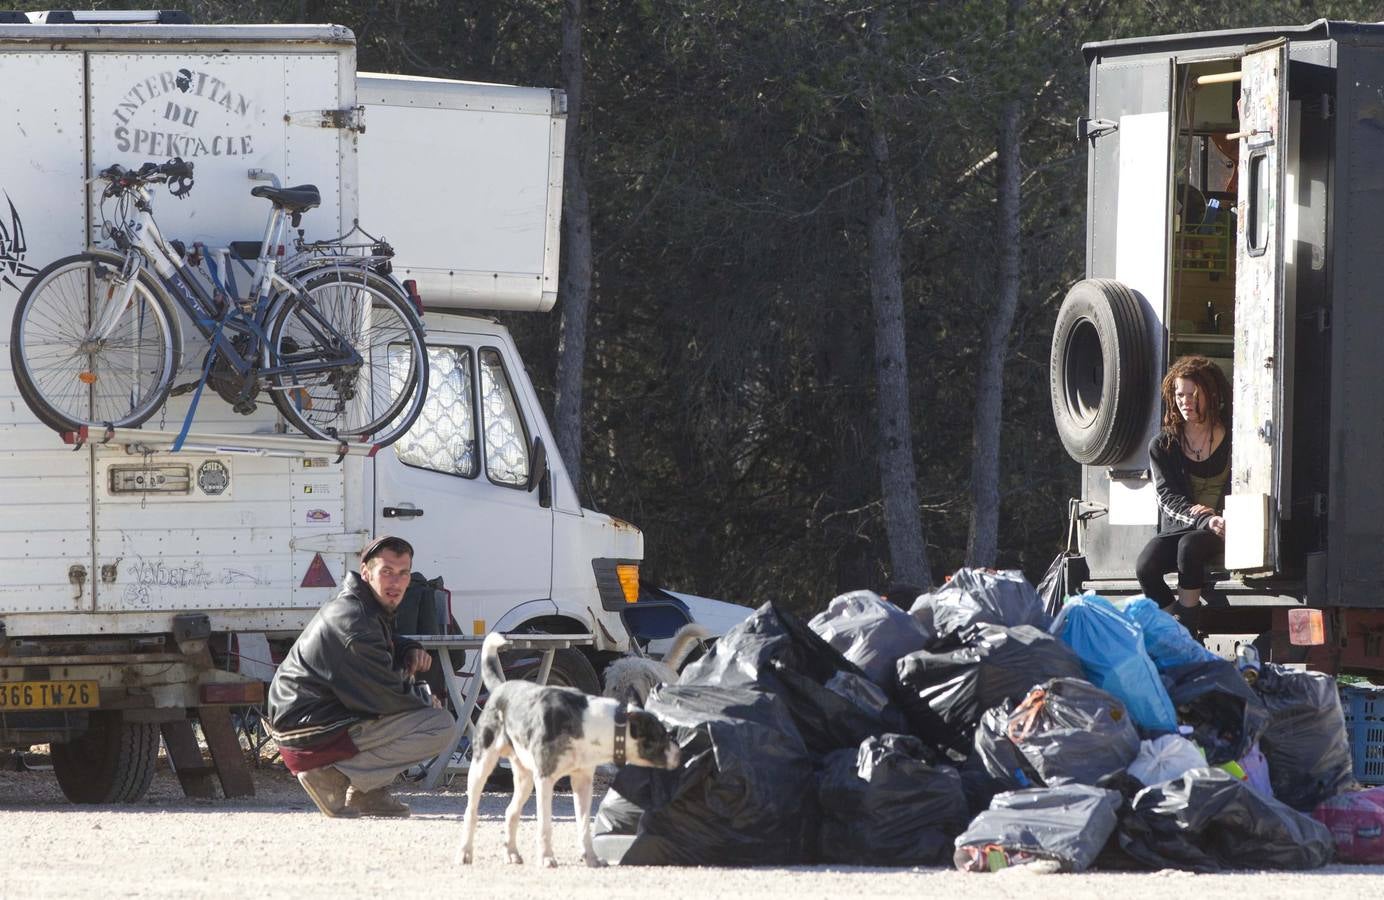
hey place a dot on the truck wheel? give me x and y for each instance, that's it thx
(1100, 371)
(112, 763)
(571, 669)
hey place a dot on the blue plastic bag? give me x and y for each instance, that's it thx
(1111, 649)
(1167, 642)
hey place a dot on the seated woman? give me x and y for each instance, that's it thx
(1190, 459)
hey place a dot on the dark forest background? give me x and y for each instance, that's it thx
(820, 246)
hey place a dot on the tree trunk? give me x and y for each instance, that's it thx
(575, 289)
(898, 478)
(982, 544)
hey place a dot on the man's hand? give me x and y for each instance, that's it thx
(1217, 525)
(436, 702)
(417, 661)
(1200, 510)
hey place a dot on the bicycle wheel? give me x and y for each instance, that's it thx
(376, 401)
(69, 381)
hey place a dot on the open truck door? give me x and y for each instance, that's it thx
(1262, 325)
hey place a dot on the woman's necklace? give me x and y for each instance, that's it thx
(1199, 452)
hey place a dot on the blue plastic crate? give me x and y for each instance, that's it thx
(1363, 706)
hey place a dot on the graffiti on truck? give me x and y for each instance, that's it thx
(13, 248)
(148, 577)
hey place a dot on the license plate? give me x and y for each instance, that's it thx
(48, 695)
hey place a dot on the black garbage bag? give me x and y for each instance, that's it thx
(1069, 824)
(921, 612)
(616, 814)
(864, 693)
(1305, 741)
(979, 785)
(744, 795)
(1064, 578)
(975, 596)
(1064, 731)
(1207, 820)
(774, 651)
(944, 693)
(889, 804)
(870, 632)
(1225, 713)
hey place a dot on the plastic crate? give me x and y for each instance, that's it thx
(1363, 706)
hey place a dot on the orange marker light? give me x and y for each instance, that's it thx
(629, 581)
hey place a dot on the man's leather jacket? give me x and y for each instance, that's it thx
(346, 666)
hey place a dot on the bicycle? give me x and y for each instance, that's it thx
(97, 340)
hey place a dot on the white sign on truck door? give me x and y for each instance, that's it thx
(226, 113)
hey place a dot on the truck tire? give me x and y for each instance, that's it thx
(571, 669)
(112, 763)
(1100, 372)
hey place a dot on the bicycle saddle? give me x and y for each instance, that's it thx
(294, 199)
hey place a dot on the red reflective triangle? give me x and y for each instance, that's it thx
(318, 575)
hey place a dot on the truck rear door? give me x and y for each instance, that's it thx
(1261, 333)
(45, 530)
(197, 530)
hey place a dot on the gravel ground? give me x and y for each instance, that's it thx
(276, 844)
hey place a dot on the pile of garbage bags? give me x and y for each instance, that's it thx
(975, 730)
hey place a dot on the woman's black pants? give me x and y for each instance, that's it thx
(1186, 552)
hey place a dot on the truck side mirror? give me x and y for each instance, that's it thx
(540, 474)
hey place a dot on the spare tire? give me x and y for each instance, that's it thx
(1100, 372)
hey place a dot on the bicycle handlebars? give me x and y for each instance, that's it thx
(177, 173)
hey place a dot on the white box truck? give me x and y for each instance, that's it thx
(142, 588)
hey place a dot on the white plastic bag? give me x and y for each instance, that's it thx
(1256, 768)
(1166, 758)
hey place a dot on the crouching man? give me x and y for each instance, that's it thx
(340, 706)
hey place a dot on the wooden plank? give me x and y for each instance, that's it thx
(193, 772)
(226, 754)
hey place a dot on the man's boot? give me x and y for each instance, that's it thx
(378, 802)
(328, 788)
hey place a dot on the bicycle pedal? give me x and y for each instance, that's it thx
(181, 389)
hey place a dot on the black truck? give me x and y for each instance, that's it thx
(1236, 210)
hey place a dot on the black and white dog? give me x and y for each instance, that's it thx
(548, 732)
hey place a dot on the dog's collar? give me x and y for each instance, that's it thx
(622, 718)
